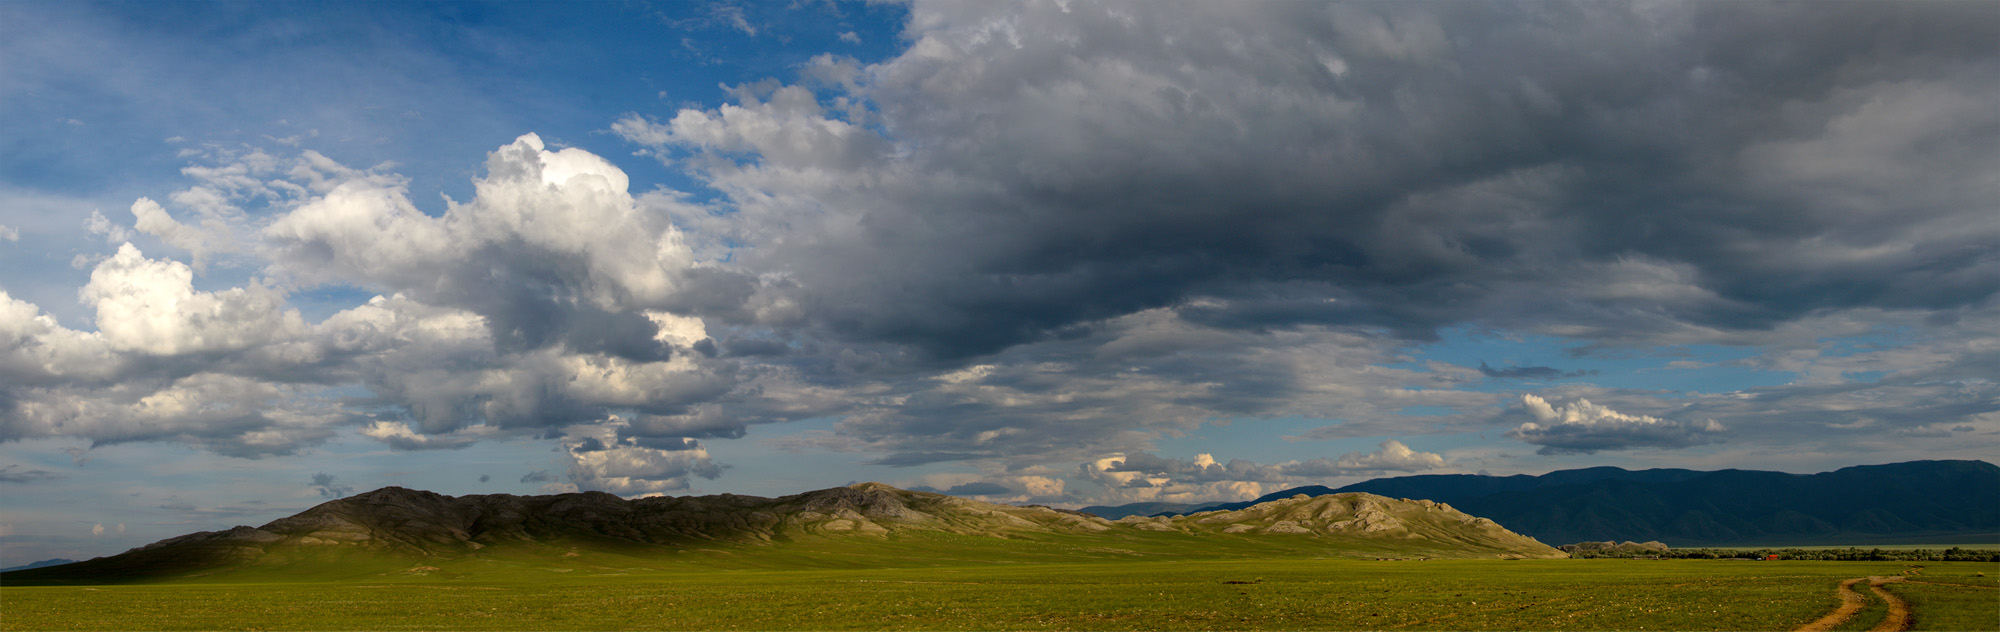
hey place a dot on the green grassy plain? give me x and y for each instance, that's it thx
(602, 591)
(1941, 601)
(1984, 546)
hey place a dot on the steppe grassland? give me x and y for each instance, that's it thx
(1953, 603)
(615, 592)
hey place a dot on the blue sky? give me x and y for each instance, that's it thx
(256, 256)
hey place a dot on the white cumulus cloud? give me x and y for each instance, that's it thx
(151, 306)
(399, 436)
(211, 235)
(538, 216)
(626, 469)
(1584, 427)
(1392, 457)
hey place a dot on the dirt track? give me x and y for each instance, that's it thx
(1899, 610)
(1851, 602)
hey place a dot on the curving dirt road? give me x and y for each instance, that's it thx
(1851, 602)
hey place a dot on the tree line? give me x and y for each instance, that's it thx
(1853, 554)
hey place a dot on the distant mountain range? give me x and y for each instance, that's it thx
(54, 562)
(386, 531)
(1916, 502)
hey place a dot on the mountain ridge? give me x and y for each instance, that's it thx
(405, 526)
(39, 564)
(1859, 504)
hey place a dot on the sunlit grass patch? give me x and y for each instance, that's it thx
(1950, 606)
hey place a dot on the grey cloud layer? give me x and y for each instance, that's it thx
(1622, 173)
(1025, 182)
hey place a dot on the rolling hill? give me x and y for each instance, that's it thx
(1915, 502)
(396, 530)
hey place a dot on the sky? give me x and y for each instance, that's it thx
(257, 256)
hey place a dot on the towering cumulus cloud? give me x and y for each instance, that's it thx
(555, 295)
(568, 279)
(544, 304)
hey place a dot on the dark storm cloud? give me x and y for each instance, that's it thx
(1622, 173)
(538, 476)
(1127, 381)
(1025, 180)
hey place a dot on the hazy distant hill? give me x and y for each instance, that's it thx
(1152, 509)
(1919, 501)
(393, 528)
(40, 564)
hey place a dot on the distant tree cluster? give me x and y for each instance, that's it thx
(1953, 554)
(1615, 549)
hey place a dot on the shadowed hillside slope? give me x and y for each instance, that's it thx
(393, 528)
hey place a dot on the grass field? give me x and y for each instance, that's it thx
(602, 591)
(1947, 603)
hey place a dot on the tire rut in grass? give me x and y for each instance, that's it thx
(1852, 601)
(1899, 610)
